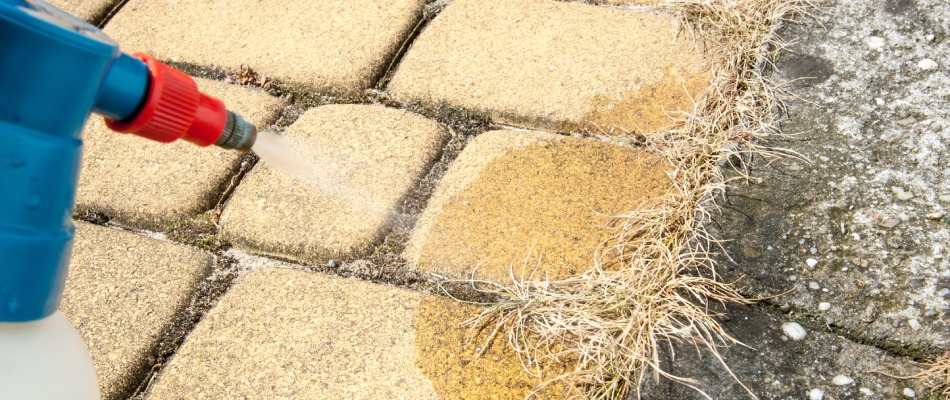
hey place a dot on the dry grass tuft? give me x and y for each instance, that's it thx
(655, 283)
(936, 376)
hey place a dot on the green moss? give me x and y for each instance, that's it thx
(200, 232)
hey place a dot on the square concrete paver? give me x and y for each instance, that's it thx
(362, 161)
(554, 65)
(281, 333)
(339, 46)
(122, 292)
(88, 10)
(153, 185)
(513, 198)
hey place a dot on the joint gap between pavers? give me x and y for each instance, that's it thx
(463, 126)
(815, 323)
(221, 276)
(429, 12)
(106, 16)
(297, 94)
(92, 217)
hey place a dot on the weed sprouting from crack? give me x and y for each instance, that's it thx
(655, 281)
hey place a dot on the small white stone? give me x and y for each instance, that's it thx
(914, 324)
(814, 285)
(930, 37)
(943, 292)
(927, 64)
(875, 43)
(879, 101)
(910, 392)
(816, 394)
(794, 330)
(866, 391)
(842, 380)
(814, 250)
(811, 262)
(824, 306)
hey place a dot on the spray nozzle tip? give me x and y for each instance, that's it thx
(238, 134)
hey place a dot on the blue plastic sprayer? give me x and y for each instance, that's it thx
(54, 71)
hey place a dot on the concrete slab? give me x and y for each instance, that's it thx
(122, 292)
(364, 160)
(281, 333)
(88, 10)
(337, 46)
(864, 226)
(514, 197)
(571, 65)
(777, 367)
(153, 185)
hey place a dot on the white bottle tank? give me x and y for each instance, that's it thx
(45, 359)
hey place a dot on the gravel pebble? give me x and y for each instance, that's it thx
(866, 391)
(875, 43)
(824, 306)
(816, 394)
(811, 262)
(889, 223)
(814, 285)
(914, 324)
(841, 380)
(910, 392)
(794, 331)
(927, 64)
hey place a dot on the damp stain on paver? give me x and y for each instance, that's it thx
(572, 65)
(652, 108)
(462, 366)
(506, 208)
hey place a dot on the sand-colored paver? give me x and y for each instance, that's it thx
(337, 46)
(554, 65)
(88, 10)
(363, 160)
(514, 197)
(122, 292)
(281, 333)
(153, 185)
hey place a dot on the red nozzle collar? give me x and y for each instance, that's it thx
(175, 109)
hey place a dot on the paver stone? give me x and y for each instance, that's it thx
(122, 292)
(555, 65)
(88, 10)
(360, 161)
(338, 46)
